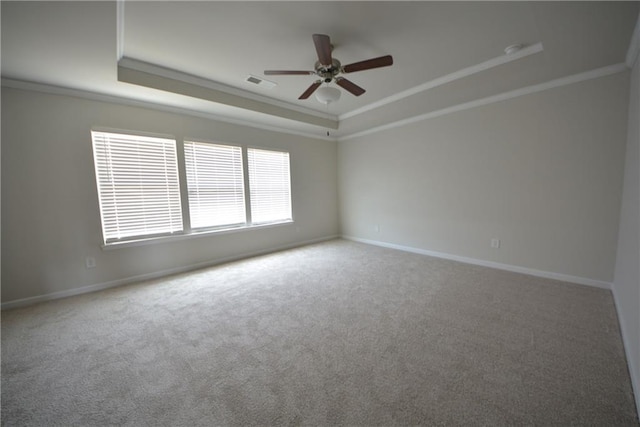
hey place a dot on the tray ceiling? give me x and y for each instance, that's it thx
(217, 45)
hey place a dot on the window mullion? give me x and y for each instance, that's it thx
(182, 182)
(247, 191)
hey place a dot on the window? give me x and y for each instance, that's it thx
(138, 188)
(215, 183)
(270, 185)
(142, 196)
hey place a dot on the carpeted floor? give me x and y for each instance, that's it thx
(330, 334)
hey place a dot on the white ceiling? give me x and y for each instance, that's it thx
(77, 45)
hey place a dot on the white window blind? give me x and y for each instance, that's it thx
(215, 181)
(138, 188)
(270, 185)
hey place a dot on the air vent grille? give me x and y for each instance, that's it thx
(260, 82)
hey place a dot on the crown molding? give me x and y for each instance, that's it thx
(634, 46)
(527, 90)
(456, 75)
(94, 96)
(59, 90)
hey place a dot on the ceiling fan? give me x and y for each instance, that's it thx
(330, 69)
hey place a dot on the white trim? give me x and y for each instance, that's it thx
(456, 75)
(635, 380)
(634, 46)
(157, 70)
(119, 29)
(527, 90)
(491, 264)
(155, 275)
(95, 96)
(190, 235)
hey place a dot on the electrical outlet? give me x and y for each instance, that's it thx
(376, 228)
(90, 262)
(495, 243)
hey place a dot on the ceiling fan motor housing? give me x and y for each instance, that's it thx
(328, 73)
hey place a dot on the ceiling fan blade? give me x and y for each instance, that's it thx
(323, 48)
(349, 86)
(383, 61)
(307, 93)
(287, 73)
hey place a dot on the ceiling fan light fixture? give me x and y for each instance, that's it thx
(327, 94)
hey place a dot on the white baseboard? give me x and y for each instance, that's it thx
(155, 275)
(499, 266)
(635, 380)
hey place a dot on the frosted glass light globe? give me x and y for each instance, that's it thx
(326, 95)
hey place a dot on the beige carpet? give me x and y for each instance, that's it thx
(331, 334)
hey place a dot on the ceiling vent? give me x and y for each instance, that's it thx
(260, 82)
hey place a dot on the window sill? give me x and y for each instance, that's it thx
(191, 235)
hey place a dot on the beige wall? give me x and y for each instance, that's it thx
(50, 216)
(542, 173)
(626, 285)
